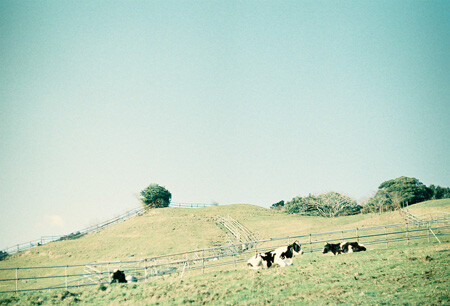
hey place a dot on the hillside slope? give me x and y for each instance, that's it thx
(400, 275)
(170, 230)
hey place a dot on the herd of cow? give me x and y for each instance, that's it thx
(282, 256)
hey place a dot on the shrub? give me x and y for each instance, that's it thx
(331, 204)
(155, 196)
(278, 205)
(3, 255)
(71, 236)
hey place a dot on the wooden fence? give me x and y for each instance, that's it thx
(22, 279)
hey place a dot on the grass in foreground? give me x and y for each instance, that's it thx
(414, 274)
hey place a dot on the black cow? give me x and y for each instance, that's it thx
(118, 277)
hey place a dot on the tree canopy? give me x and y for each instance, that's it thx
(330, 204)
(155, 196)
(406, 190)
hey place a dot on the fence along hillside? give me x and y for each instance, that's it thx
(91, 229)
(95, 273)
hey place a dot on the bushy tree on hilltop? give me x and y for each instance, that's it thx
(439, 192)
(408, 190)
(278, 205)
(330, 204)
(400, 192)
(155, 196)
(3, 255)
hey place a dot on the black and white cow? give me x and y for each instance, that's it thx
(350, 247)
(118, 277)
(281, 256)
(343, 247)
(261, 261)
(334, 248)
(131, 279)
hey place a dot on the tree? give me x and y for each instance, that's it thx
(333, 204)
(380, 202)
(278, 205)
(329, 204)
(409, 189)
(439, 192)
(155, 196)
(3, 255)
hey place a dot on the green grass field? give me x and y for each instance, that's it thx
(400, 273)
(170, 230)
(414, 274)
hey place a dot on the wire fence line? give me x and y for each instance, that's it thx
(20, 247)
(21, 279)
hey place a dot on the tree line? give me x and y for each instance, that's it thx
(391, 195)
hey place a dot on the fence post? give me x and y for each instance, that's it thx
(66, 277)
(203, 261)
(310, 245)
(17, 280)
(428, 231)
(385, 237)
(109, 273)
(18, 248)
(357, 235)
(146, 272)
(407, 238)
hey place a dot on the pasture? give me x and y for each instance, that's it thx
(413, 271)
(414, 274)
(170, 230)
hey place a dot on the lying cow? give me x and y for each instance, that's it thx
(281, 256)
(350, 247)
(131, 279)
(343, 247)
(261, 261)
(118, 277)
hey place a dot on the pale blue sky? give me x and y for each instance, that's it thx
(228, 101)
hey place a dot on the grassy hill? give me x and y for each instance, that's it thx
(170, 230)
(375, 276)
(415, 274)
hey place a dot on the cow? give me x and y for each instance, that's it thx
(281, 256)
(118, 277)
(261, 261)
(131, 279)
(284, 255)
(350, 247)
(343, 247)
(334, 248)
